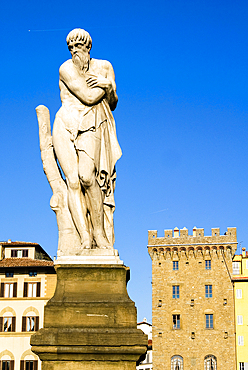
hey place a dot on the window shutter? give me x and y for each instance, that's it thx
(25, 291)
(1, 327)
(13, 326)
(37, 323)
(24, 323)
(2, 290)
(239, 293)
(12, 364)
(240, 320)
(25, 253)
(22, 365)
(13, 252)
(15, 290)
(35, 365)
(38, 290)
(240, 340)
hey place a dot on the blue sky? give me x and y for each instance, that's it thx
(182, 79)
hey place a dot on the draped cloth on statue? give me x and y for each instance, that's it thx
(93, 131)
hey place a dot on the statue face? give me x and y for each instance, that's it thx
(77, 47)
(80, 54)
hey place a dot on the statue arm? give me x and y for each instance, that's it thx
(107, 83)
(77, 85)
(111, 95)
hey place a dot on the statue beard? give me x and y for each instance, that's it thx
(81, 61)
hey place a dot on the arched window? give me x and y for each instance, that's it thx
(210, 362)
(176, 363)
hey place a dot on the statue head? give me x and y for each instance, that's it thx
(79, 44)
(79, 36)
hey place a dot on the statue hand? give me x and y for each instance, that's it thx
(99, 81)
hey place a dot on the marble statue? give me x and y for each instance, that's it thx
(85, 145)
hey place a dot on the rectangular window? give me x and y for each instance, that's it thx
(209, 321)
(30, 365)
(175, 265)
(208, 264)
(7, 324)
(19, 253)
(241, 366)
(31, 290)
(175, 291)
(239, 293)
(208, 291)
(30, 323)
(240, 340)
(235, 268)
(32, 273)
(176, 321)
(240, 320)
(247, 264)
(9, 274)
(13, 253)
(25, 253)
(7, 365)
(8, 290)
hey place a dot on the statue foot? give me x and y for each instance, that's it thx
(102, 241)
(86, 241)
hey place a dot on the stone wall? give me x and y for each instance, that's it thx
(192, 341)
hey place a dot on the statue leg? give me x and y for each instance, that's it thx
(87, 177)
(68, 160)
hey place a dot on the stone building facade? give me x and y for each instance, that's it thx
(27, 282)
(192, 299)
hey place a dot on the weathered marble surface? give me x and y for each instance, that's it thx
(85, 145)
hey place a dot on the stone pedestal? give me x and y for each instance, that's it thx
(90, 323)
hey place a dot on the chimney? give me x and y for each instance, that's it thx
(243, 252)
(176, 232)
(194, 231)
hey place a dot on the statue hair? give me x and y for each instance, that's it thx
(80, 35)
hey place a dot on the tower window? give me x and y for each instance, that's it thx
(209, 321)
(208, 264)
(176, 363)
(175, 265)
(208, 291)
(175, 291)
(210, 363)
(176, 321)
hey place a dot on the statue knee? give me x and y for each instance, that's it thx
(73, 183)
(87, 180)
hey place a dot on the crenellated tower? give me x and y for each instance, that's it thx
(192, 299)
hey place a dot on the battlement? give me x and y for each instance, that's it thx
(181, 236)
(176, 240)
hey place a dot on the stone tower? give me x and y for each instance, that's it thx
(192, 299)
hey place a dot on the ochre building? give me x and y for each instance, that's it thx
(27, 282)
(240, 280)
(192, 299)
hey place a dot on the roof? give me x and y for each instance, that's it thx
(144, 322)
(240, 278)
(24, 262)
(18, 243)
